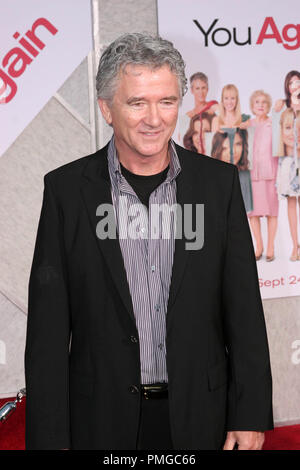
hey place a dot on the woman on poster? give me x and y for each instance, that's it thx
(199, 90)
(231, 146)
(229, 110)
(288, 182)
(263, 174)
(194, 139)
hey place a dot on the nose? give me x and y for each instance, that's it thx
(153, 117)
(227, 154)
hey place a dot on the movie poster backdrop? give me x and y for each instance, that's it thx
(243, 107)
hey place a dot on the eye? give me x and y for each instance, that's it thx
(167, 102)
(137, 104)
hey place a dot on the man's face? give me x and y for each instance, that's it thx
(144, 110)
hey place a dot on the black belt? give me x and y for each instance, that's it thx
(159, 390)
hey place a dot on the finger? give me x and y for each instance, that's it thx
(249, 445)
(246, 447)
(229, 443)
(260, 443)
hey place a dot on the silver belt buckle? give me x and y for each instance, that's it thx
(151, 387)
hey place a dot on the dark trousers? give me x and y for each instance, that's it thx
(154, 428)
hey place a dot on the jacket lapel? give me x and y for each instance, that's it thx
(96, 190)
(187, 185)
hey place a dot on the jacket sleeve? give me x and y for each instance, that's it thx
(250, 385)
(48, 334)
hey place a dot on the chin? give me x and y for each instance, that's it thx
(149, 153)
(149, 150)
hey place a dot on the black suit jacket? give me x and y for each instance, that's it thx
(82, 361)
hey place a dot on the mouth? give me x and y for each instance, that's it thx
(151, 134)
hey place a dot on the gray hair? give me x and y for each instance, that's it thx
(199, 76)
(137, 49)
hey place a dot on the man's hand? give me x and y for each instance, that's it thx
(246, 440)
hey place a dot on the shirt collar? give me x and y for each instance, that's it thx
(115, 168)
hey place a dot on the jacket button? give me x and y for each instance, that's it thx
(133, 339)
(134, 389)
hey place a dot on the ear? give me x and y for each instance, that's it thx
(105, 110)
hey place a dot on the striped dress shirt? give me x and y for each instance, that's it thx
(148, 261)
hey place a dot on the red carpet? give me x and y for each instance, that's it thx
(12, 432)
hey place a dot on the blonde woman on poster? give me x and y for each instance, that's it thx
(228, 122)
(286, 147)
(263, 174)
(288, 182)
(229, 110)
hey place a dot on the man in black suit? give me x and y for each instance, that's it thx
(145, 324)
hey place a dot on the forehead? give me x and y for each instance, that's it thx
(260, 96)
(225, 142)
(237, 137)
(294, 78)
(288, 119)
(229, 92)
(197, 123)
(141, 78)
(197, 82)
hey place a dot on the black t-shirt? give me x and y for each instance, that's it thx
(144, 185)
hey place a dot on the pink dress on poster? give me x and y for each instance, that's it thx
(264, 171)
